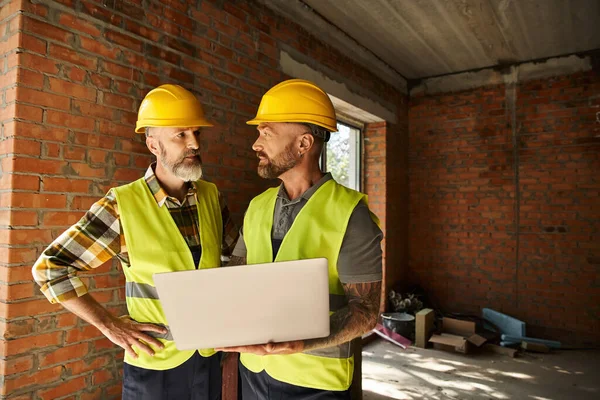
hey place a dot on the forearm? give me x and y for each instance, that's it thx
(352, 321)
(88, 309)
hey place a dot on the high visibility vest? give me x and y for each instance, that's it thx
(154, 245)
(317, 231)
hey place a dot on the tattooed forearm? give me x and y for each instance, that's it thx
(359, 317)
(233, 261)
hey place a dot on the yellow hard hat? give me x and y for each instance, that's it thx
(172, 106)
(296, 100)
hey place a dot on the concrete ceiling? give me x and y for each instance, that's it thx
(425, 38)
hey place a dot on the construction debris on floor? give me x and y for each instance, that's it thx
(492, 331)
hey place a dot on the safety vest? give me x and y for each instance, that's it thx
(154, 245)
(317, 231)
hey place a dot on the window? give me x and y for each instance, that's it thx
(342, 156)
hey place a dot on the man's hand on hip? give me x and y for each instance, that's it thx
(125, 332)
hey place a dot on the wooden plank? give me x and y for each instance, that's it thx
(230, 376)
(423, 327)
(500, 350)
(535, 347)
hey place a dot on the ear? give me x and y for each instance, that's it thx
(152, 144)
(306, 143)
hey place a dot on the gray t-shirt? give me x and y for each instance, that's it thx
(360, 255)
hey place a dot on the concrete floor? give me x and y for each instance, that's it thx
(392, 373)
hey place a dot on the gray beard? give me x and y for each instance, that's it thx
(187, 173)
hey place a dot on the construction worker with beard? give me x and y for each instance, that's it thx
(309, 215)
(169, 220)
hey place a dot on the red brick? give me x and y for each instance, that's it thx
(101, 13)
(15, 365)
(25, 236)
(198, 68)
(82, 334)
(30, 343)
(112, 129)
(14, 274)
(93, 140)
(58, 218)
(92, 109)
(83, 203)
(72, 89)
(63, 354)
(19, 218)
(30, 78)
(26, 129)
(16, 291)
(70, 121)
(38, 166)
(65, 388)
(124, 40)
(17, 256)
(95, 46)
(74, 153)
(100, 377)
(67, 319)
(43, 99)
(119, 70)
(38, 63)
(33, 44)
(66, 185)
(71, 56)
(33, 200)
(18, 328)
(44, 29)
(118, 101)
(51, 150)
(8, 10)
(109, 281)
(78, 24)
(125, 174)
(20, 146)
(87, 171)
(81, 366)
(77, 75)
(35, 378)
(143, 31)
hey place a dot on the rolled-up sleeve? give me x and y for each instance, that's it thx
(88, 244)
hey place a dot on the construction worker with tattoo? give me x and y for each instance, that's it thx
(309, 215)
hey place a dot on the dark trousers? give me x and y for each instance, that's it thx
(199, 378)
(262, 387)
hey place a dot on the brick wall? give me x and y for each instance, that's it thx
(72, 80)
(504, 209)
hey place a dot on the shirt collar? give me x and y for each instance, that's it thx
(160, 195)
(311, 190)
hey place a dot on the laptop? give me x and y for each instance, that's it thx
(245, 305)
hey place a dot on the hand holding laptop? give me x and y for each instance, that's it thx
(296, 346)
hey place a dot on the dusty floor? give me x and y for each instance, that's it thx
(392, 373)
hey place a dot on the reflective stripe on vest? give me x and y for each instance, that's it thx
(155, 245)
(317, 231)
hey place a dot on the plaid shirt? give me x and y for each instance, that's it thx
(98, 237)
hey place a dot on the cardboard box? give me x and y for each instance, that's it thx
(457, 335)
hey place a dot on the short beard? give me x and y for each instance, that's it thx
(187, 173)
(278, 165)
